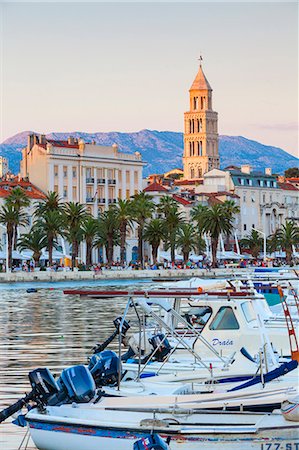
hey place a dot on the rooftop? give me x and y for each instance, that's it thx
(155, 187)
(200, 82)
(31, 191)
(288, 186)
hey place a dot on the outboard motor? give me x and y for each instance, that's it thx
(124, 329)
(161, 343)
(43, 386)
(104, 368)
(76, 385)
(151, 442)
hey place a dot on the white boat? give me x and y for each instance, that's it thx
(191, 423)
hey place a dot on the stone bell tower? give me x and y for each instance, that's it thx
(201, 130)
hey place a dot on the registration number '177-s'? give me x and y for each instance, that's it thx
(281, 446)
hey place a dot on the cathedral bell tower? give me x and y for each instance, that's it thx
(201, 130)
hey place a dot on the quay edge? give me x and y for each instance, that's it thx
(18, 277)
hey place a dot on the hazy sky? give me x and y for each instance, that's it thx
(128, 66)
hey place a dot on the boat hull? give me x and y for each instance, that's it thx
(62, 437)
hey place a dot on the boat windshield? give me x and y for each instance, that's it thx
(248, 311)
(225, 319)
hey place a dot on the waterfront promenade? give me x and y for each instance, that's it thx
(21, 276)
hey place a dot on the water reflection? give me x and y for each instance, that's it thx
(48, 329)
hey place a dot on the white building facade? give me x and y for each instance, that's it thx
(96, 176)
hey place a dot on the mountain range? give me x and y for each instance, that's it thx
(163, 150)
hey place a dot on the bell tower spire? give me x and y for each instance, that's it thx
(201, 129)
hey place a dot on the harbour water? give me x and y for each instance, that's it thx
(48, 329)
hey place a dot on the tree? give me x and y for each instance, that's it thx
(197, 216)
(173, 220)
(35, 241)
(154, 233)
(292, 172)
(19, 200)
(216, 220)
(253, 242)
(108, 232)
(124, 216)
(11, 217)
(74, 215)
(52, 225)
(166, 204)
(285, 238)
(90, 229)
(142, 207)
(51, 202)
(187, 239)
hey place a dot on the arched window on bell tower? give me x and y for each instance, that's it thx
(197, 125)
(195, 103)
(200, 148)
(190, 148)
(197, 148)
(199, 172)
(189, 125)
(200, 125)
(192, 172)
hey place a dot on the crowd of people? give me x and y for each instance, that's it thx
(29, 266)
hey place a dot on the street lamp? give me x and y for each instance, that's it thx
(265, 242)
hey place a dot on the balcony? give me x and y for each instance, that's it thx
(111, 181)
(111, 200)
(89, 180)
(89, 200)
(101, 180)
(101, 200)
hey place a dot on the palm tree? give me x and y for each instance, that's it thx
(173, 220)
(197, 216)
(90, 229)
(166, 203)
(154, 233)
(216, 220)
(187, 239)
(286, 237)
(11, 217)
(74, 215)
(51, 224)
(108, 232)
(124, 211)
(253, 242)
(19, 200)
(35, 241)
(51, 202)
(142, 207)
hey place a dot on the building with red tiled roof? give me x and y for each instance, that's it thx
(183, 201)
(155, 187)
(8, 183)
(286, 186)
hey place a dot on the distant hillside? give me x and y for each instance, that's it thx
(162, 150)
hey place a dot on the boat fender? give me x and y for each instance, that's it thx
(290, 410)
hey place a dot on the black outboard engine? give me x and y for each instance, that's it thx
(124, 329)
(151, 442)
(104, 367)
(76, 385)
(161, 346)
(43, 386)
